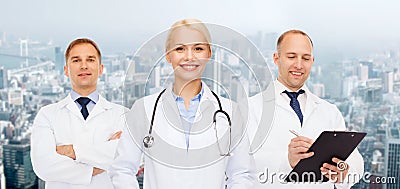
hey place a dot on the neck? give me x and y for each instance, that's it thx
(84, 92)
(292, 89)
(187, 90)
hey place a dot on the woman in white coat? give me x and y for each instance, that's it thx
(183, 148)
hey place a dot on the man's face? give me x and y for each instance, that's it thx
(83, 68)
(294, 60)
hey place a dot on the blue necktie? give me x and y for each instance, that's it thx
(83, 101)
(294, 103)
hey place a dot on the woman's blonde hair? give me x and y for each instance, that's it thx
(194, 24)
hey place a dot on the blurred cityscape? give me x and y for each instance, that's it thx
(365, 89)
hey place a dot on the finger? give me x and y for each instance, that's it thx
(298, 150)
(306, 155)
(336, 160)
(60, 148)
(330, 167)
(115, 136)
(301, 156)
(324, 171)
(295, 144)
(302, 138)
(119, 133)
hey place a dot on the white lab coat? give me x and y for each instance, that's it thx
(272, 156)
(62, 123)
(168, 164)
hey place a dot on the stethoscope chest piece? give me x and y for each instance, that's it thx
(148, 141)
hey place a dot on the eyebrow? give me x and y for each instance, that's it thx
(194, 44)
(90, 56)
(293, 53)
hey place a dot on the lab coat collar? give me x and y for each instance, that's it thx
(312, 100)
(312, 103)
(203, 109)
(101, 106)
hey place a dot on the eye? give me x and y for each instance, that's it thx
(291, 57)
(179, 49)
(306, 58)
(75, 60)
(198, 49)
(91, 60)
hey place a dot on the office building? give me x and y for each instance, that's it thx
(392, 158)
(18, 169)
(362, 73)
(387, 81)
(59, 59)
(3, 78)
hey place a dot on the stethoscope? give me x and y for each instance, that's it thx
(148, 140)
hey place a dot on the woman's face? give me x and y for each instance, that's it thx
(188, 53)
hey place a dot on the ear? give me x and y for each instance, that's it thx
(210, 55)
(168, 57)
(66, 71)
(101, 69)
(276, 58)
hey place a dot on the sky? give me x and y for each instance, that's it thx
(345, 27)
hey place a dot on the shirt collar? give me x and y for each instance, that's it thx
(195, 98)
(94, 96)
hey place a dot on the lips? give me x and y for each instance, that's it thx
(189, 67)
(84, 74)
(296, 73)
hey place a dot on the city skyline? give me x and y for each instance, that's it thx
(338, 28)
(356, 44)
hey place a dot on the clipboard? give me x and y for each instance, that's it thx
(329, 144)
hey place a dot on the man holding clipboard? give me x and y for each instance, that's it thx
(295, 108)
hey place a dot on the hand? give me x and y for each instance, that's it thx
(97, 171)
(298, 148)
(66, 150)
(334, 173)
(115, 136)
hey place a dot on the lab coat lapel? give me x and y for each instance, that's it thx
(312, 103)
(101, 106)
(205, 112)
(282, 103)
(206, 102)
(71, 106)
(169, 107)
(266, 120)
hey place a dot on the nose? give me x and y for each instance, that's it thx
(84, 64)
(298, 63)
(189, 55)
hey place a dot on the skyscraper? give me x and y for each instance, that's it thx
(59, 59)
(3, 78)
(362, 72)
(387, 79)
(392, 158)
(17, 165)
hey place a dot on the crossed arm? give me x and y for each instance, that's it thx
(54, 163)
(68, 150)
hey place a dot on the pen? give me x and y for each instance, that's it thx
(294, 132)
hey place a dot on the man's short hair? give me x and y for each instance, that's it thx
(280, 39)
(81, 41)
